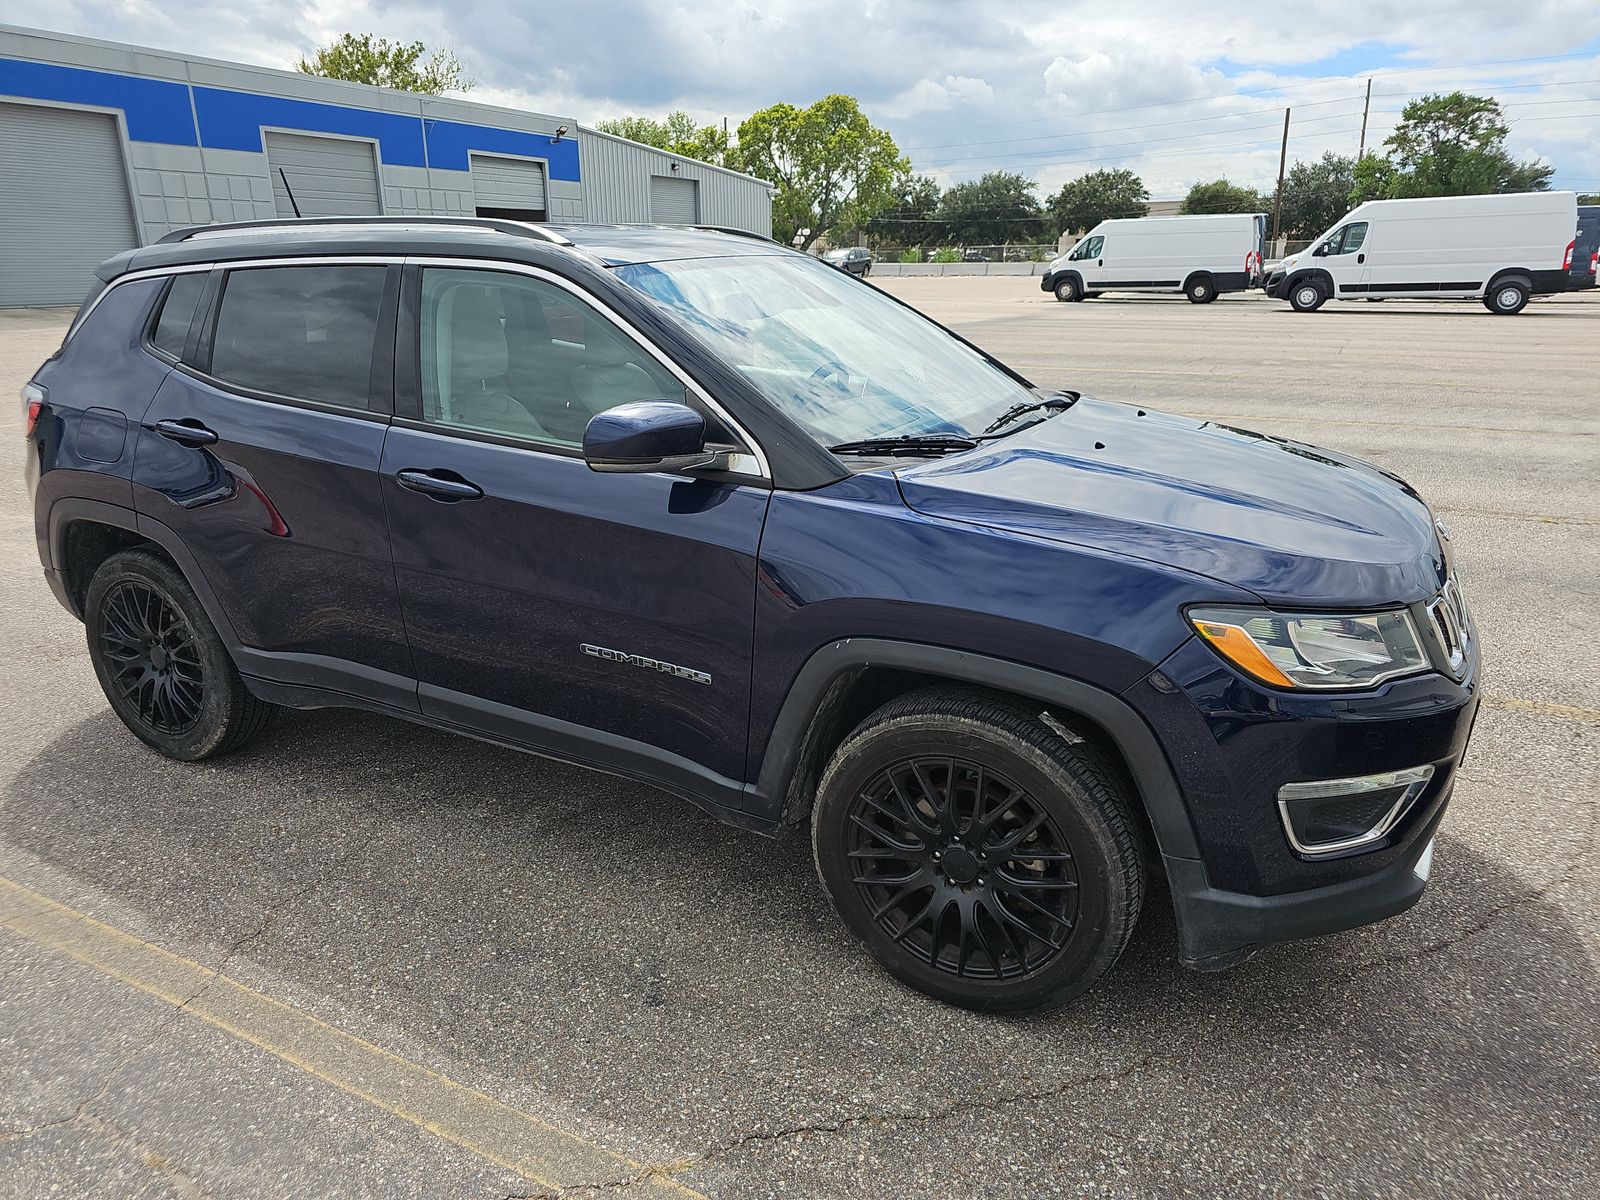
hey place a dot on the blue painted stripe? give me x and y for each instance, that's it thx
(159, 111)
(233, 120)
(156, 110)
(449, 143)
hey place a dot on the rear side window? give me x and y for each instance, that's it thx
(307, 333)
(177, 311)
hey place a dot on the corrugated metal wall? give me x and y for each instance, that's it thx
(616, 185)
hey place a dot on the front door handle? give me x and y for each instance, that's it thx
(440, 485)
(187, 432)
(1361, 258)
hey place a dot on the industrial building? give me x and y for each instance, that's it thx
(105, 146)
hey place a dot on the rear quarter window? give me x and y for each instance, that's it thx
(171, 330)
(305, 333)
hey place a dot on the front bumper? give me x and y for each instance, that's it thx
(1234, 744)
(1276, 284)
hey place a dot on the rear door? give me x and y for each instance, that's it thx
(261, 452)
(606, 618)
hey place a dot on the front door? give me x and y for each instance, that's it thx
(605, 618)
(1344, 256)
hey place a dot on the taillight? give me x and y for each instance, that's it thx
(33, 398)
(1566, 259)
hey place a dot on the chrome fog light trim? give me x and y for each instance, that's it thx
(1408, 784)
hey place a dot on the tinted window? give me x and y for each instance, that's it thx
(1354, 236)
(305, 332)
(516, 356)
(177, 311)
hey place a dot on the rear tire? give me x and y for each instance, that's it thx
(1507, 298)
(162, 666)
(1068, 289)
(1201, 289)
(1307, 296)
(978, 855)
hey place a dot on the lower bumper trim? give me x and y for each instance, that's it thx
(1218, 929)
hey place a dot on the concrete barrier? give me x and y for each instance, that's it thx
(1020, 269)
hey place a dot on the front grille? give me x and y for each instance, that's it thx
(1451, 625)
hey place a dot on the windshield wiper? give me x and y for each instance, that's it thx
(1061, 402)
(908, 443)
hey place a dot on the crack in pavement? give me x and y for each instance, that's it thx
(958, 1108)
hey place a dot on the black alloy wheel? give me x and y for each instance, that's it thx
(963, 868)
(160, 662)
(153, 657)
(981, 853)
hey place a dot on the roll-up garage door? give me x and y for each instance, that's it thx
(674, 201)
(331, 177)
(64, 203)
(512, 188)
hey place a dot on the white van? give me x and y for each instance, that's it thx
(1498, 249)
(1198, 256)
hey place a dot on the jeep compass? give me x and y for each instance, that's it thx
(692, 508)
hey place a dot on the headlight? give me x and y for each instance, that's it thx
(1302, 650)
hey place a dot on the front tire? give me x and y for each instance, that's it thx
(1307, 296)
(1507, 298)
(1201, 289)
(162, 666)
(979, 855)
(1068, 289)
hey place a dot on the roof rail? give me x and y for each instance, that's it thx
(494, 224)
(760, 237)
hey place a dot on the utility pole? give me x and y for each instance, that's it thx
(1283, 160)
(1365, 108)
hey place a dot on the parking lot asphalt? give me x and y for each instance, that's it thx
(367, 959)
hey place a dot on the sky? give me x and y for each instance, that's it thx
(1175, 90)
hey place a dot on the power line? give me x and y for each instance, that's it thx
(1345, 116)
(1289, 87)
(1042, 137)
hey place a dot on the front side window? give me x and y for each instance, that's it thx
(844, 361)
(307, 333)
(177, 312)
(1088, 248)
(519, 357)
(1346, 239)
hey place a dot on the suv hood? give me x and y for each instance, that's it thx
(1292, 523)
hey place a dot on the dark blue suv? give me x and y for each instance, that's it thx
(689, 507)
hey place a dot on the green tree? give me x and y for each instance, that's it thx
(1316, 194)
(363, 58)
(1589, 198)
(826, 162)
(1220, 196)
(1448, 145)
(676, 134)
(1000, 207)
(1103, 195)
(909, 220)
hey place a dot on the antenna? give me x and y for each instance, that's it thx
(289, 191)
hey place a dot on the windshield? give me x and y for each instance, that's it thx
(841, 358)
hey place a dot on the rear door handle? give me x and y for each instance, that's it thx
(440, 485)
(187, 432)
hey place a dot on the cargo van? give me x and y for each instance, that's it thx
(1200, 256)
(1498, 249)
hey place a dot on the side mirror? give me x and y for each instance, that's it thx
(647, 435)
(1321, 251)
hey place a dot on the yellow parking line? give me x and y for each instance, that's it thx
(459, 1114)
(1544, 708)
